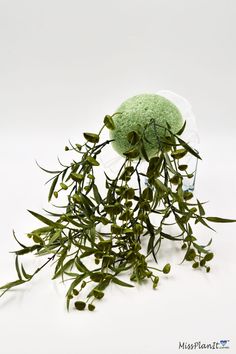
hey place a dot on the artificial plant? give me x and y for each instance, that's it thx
(97, 237)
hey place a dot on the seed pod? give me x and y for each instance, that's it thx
(91, 307)
(166, 268)
(77, 177)
(147, 194)
(155, 282)
(116, 229)
(133, 137)
(96, 277)
(202, 262)
(183, 167)
(132, 153)
(190, 255)
(92, 161)
(98, 294)
(80, 305)
(92, 138)
(178, 154)
(129, 193)
(75, 292)
(64, 186)
(195, 265)
(208, 257)
(188, 195)
(175, 179)
(109, 122)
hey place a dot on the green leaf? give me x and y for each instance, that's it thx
(132, 153)
(54, 237)
(216, 219)
(18, 268)
(169, 237)
(96, 194)
(52, 188)
(133, 137)
(52, 172)
(45, 220)
(92, 138)
(92, 161)
(109, 122)
(28, 250)
(188, 148)
(160, 185)
(182, 129)
(200, 208)
(13, 284)
(121, 283)
(203, 222)
(77, 177)
(179, 153)
(37, 239)
(27, 276)
(67, 265)
(144, 153)
(42, 230)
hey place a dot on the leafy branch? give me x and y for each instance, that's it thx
(74, 238)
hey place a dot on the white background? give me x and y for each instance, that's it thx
(63, 66)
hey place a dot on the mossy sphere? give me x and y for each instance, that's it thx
(142, 111)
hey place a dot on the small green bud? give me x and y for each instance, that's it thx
(55, 194)
(184, 246)
(66, 148)
(166, 268)
(83, 284)
(80, 305)
(208, 269)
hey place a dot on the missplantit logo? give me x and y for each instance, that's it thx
(220, 344)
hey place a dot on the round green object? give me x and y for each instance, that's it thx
(142, 111)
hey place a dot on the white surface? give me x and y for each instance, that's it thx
(63, 65)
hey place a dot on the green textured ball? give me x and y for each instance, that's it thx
(138, 112)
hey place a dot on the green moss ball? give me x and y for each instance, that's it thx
(139, 111)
